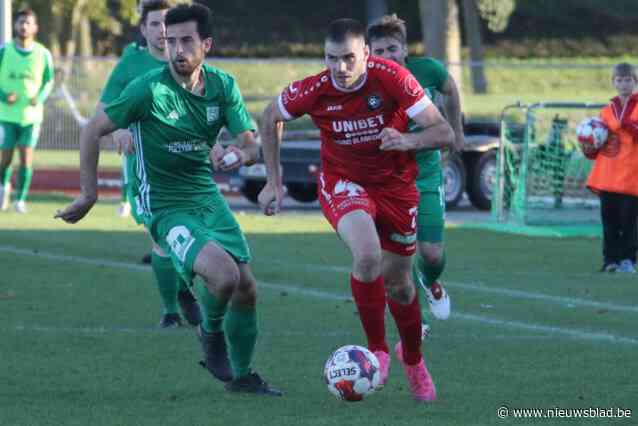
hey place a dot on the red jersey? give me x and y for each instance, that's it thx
(350, 120)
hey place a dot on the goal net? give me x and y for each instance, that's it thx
(541, 175)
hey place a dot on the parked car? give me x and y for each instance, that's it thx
(473, 170)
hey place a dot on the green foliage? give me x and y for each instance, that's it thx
(496, 13)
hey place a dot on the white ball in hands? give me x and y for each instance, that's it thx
(230, 159)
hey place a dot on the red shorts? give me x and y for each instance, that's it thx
(393, 211)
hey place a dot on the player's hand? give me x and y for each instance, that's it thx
(459, 142)
(76, 210)
(228, 159)
(12, 98)
(123, 140)
(393, 140)
(270, 199)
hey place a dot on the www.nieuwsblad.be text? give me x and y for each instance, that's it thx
(505, 411)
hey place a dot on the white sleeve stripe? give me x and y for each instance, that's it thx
(283, 109)
(419, 106)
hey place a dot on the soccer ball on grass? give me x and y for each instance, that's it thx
(351, 373)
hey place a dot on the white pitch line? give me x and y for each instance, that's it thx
(97, 330)
(569, 332)
(517, 294)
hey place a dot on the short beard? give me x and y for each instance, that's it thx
(184, 72)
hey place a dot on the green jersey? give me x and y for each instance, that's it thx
(133, 47)
(174, 131)
(29, 74)
(432, 76)
(135, 61)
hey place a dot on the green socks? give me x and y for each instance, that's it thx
(166, 278)
(430, 272)
(240, 327)
(239, 323)
(214, 310)
(24, 182)
(6, 176)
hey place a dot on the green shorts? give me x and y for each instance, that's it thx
(431, 216)
(184, 233)
(13, 134)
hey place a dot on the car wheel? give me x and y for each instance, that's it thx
(481, 187)
(453, 181)
(251, 189)
(302, 192)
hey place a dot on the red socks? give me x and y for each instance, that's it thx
(370, 300)
(408, 320)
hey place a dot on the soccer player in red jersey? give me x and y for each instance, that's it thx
(367, 184)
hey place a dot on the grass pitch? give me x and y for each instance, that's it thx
(533, 326)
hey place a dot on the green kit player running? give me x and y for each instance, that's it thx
(136, 62)
(388, 39)
(26, 80)
(176, 114)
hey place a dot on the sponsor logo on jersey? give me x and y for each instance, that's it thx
(212, 114)
(361, 124)
(407, 239)
(186, 146)
(374, 102)
(173, 115)
(334, 107)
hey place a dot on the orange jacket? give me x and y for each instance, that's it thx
(616, 164)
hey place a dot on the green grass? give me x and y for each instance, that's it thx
(80, 344)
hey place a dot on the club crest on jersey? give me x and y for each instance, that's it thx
(411, 86)
(212, 114)
(347, 189)
(374, 102)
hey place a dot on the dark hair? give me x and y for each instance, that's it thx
(624, 69)
(193, 12)
(388, 26)
(26, 12)
(342, 29)
(149, 6)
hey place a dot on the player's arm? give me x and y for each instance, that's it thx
(131, 106)
(244, 153)
(90, 134)
(48, 78)
(453, 112)
(436, 133)
(5, 96)
(240, 124)
(272, 126)
(122, 138)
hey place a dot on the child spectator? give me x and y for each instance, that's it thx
(614, 176)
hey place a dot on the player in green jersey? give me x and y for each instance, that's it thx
(26, 80)
(134, 62)
(176, 114)
(172, 289)
(388, 39)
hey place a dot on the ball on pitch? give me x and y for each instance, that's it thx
(351, 373)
